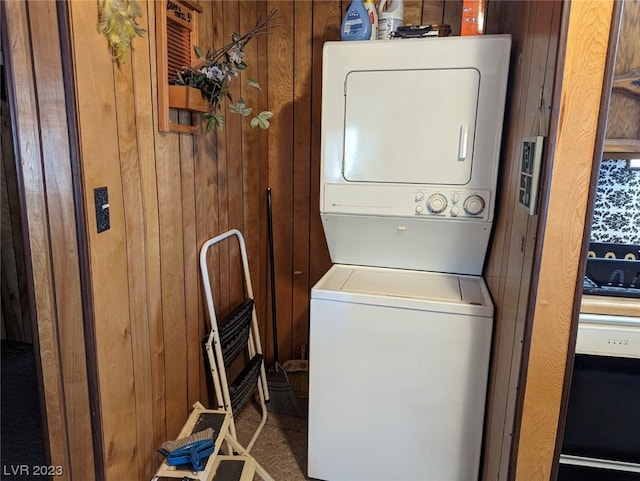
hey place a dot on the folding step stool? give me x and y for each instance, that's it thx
(238, 465)
(237, 332)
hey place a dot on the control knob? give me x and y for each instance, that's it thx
(473, 205)
(437, 203)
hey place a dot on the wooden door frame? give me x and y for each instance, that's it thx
(35, 41)
(576, 143)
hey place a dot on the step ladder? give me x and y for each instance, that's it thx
(237, 465)
(236, 334)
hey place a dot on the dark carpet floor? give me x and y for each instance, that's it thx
(21, 444)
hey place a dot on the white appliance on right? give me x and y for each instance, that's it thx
(401, 325)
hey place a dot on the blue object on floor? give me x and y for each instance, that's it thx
(192, 453)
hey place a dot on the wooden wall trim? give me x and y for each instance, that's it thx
(83, 247)
(553, 306)
(39, 119)
(59, 192)
(22, 102)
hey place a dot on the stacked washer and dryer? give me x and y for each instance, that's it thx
(401, 324)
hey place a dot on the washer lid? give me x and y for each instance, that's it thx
(406, 289)
(397, 283)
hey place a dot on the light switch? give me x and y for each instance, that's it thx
(101, 198)
(531, 159)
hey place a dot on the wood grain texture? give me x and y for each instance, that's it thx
(221, 255)
(326, 21)
(148, 353)
(22, 90)
(62, 231)
(172, 274)
(136, 271)
(511, 255)
(623, 120)
(433, 12)
(610, 306)
(413, 12)
(206, 192)
(301, 208)
(234, 171)
(254, 166)
(506, 268)
(453, 15)
(96, 105)
(553, 314)
(281, 101)
(16, 317)
(191, 267)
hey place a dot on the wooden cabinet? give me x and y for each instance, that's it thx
(622, 137)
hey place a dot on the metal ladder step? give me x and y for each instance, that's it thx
(243, 386)
(234, 331)
(234, 468)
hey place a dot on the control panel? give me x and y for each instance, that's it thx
(450, 203)
(407, 201)
(608, 335)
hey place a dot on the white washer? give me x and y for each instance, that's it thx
(398, 375)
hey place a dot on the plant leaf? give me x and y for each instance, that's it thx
(198, 51)
(262, 120)
(213, 120)
(240, 108)
(252, 83)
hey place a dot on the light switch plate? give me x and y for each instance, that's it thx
(530, 162)
(101, 199)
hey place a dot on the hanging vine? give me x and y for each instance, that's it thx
(117, 22)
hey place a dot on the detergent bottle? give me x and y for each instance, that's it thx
(356, 24)
(390, 19)
(373, 18)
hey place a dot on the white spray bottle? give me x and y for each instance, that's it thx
(390, 19)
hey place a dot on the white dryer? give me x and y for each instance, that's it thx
(401, 325)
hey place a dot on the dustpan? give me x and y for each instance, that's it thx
(298, 374)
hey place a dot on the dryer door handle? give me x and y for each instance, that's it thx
(464, 139)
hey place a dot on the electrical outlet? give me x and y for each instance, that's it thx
(101, 198)
(531, 160)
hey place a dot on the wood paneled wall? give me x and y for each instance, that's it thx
(534, 27)
(16, 318)
(33, 58)
(623, 119)
(170, 192)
